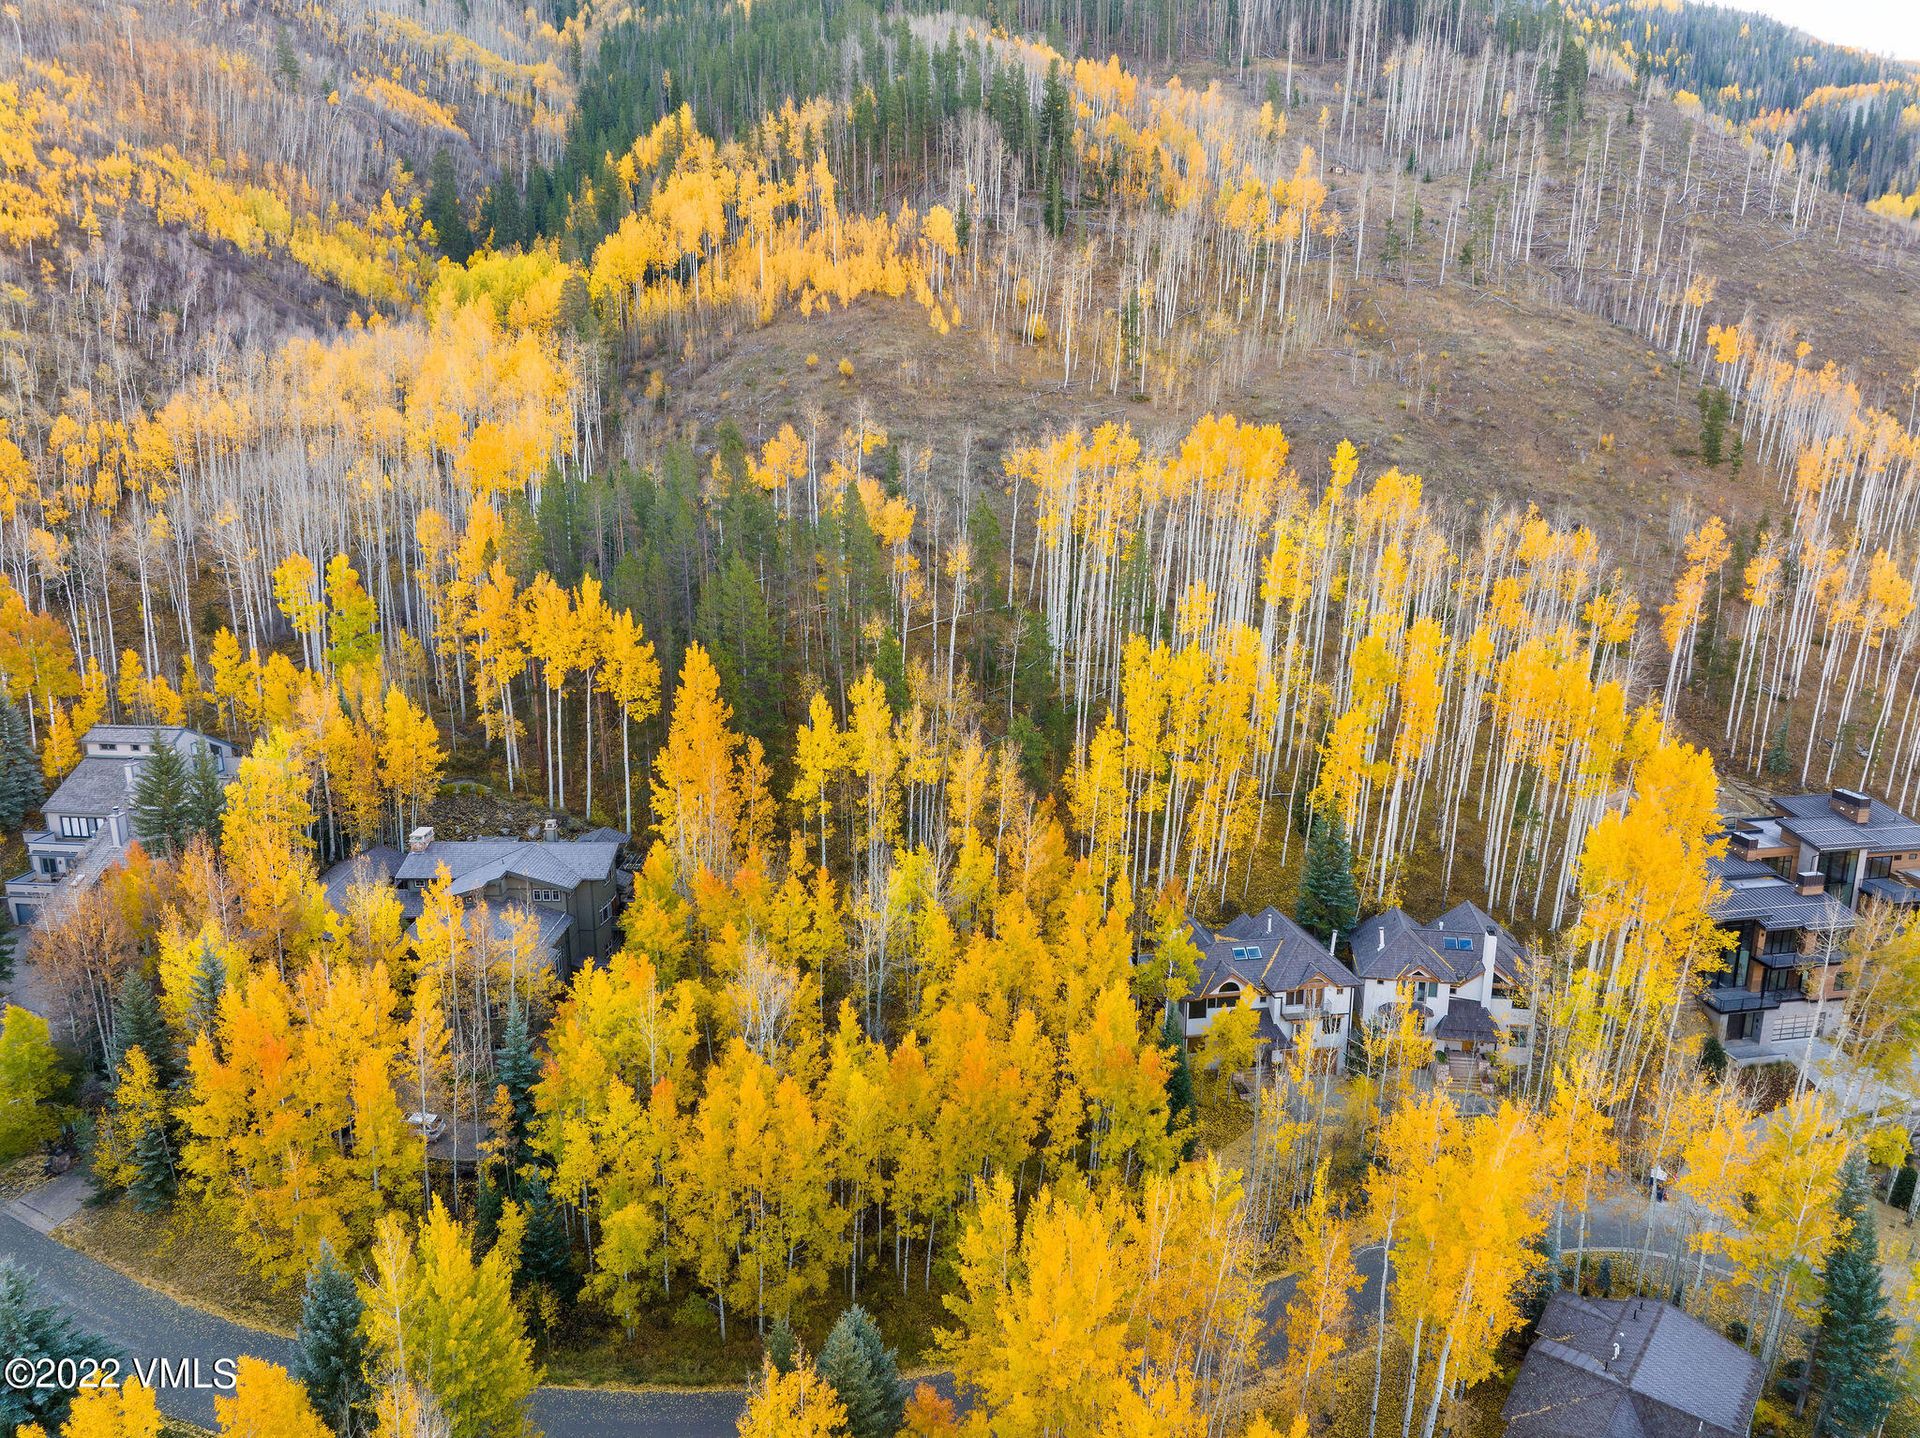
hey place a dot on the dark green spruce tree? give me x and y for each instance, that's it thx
(1181, 1104)
(209, 982)
(21, 788)
(546, 1254)
(1855, 1353)
(865, 1374)
(518, 1069)
(1329, 902)
(443, 209)
(154, 1180)
(162, 810)
(138, 1023)
(34, 1331)
(206, 793)
(332, 1359)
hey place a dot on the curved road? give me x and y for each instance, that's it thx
(146, 1325)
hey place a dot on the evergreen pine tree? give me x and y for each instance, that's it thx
(863, 1371)
(1778, 759)
(206, 793)
(732, 622)
(162, 809)
(21, 789)
(489, 1203)
(1181, 1104)
(138, 1023)
(332, 1356)
(203, 993)
(33, 1331)
(443, 209)
(1329, 902)
(154, 1183)
(546, 1253)
(1855, 1350)
(518, 1070)
(781, 1345)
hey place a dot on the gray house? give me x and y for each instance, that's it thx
(1792, 881)
(88, 818)
(1269, 961)
(574, 887)
(1630, 1368)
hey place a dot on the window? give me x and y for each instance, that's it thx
(1459, 944)
(1330, 1023)
(606, 912)
(549, 896)
(1782, 941)
(1297, 998)
(1196, 1008)
(1782, 981)
(1246, 955)
(1425, 990)
(78, 826)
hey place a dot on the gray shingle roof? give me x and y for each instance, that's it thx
(1466, 1021)
(474, 863)
(1810, 818)
(376, 864)
(1269, 952)
(97, 785)
(1673, 1377)
(1392, 945)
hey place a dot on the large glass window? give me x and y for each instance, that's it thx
(1838, 869)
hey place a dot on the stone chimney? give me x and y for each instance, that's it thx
(420, 840)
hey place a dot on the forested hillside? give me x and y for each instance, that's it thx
(965, 489)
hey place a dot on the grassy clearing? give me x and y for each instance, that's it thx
(185, 1254)
(681, 1348)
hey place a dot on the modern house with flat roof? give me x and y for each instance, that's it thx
(89, 817)
(573, 888)
(1793, 881)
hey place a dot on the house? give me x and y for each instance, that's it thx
(1297, 986)
(1464, 973)
(1792, 882)
(573, 887)
(89, 817)
(1630, 1368)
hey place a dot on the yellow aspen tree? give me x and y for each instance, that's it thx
(796, 1404)
(630, 675)
(266, 1403)
(441, 1319)
(129, 1411)
(697, 798)
(410, 758)
(264, 834)
(1319, 1315)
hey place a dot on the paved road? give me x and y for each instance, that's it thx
(146, 1325)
